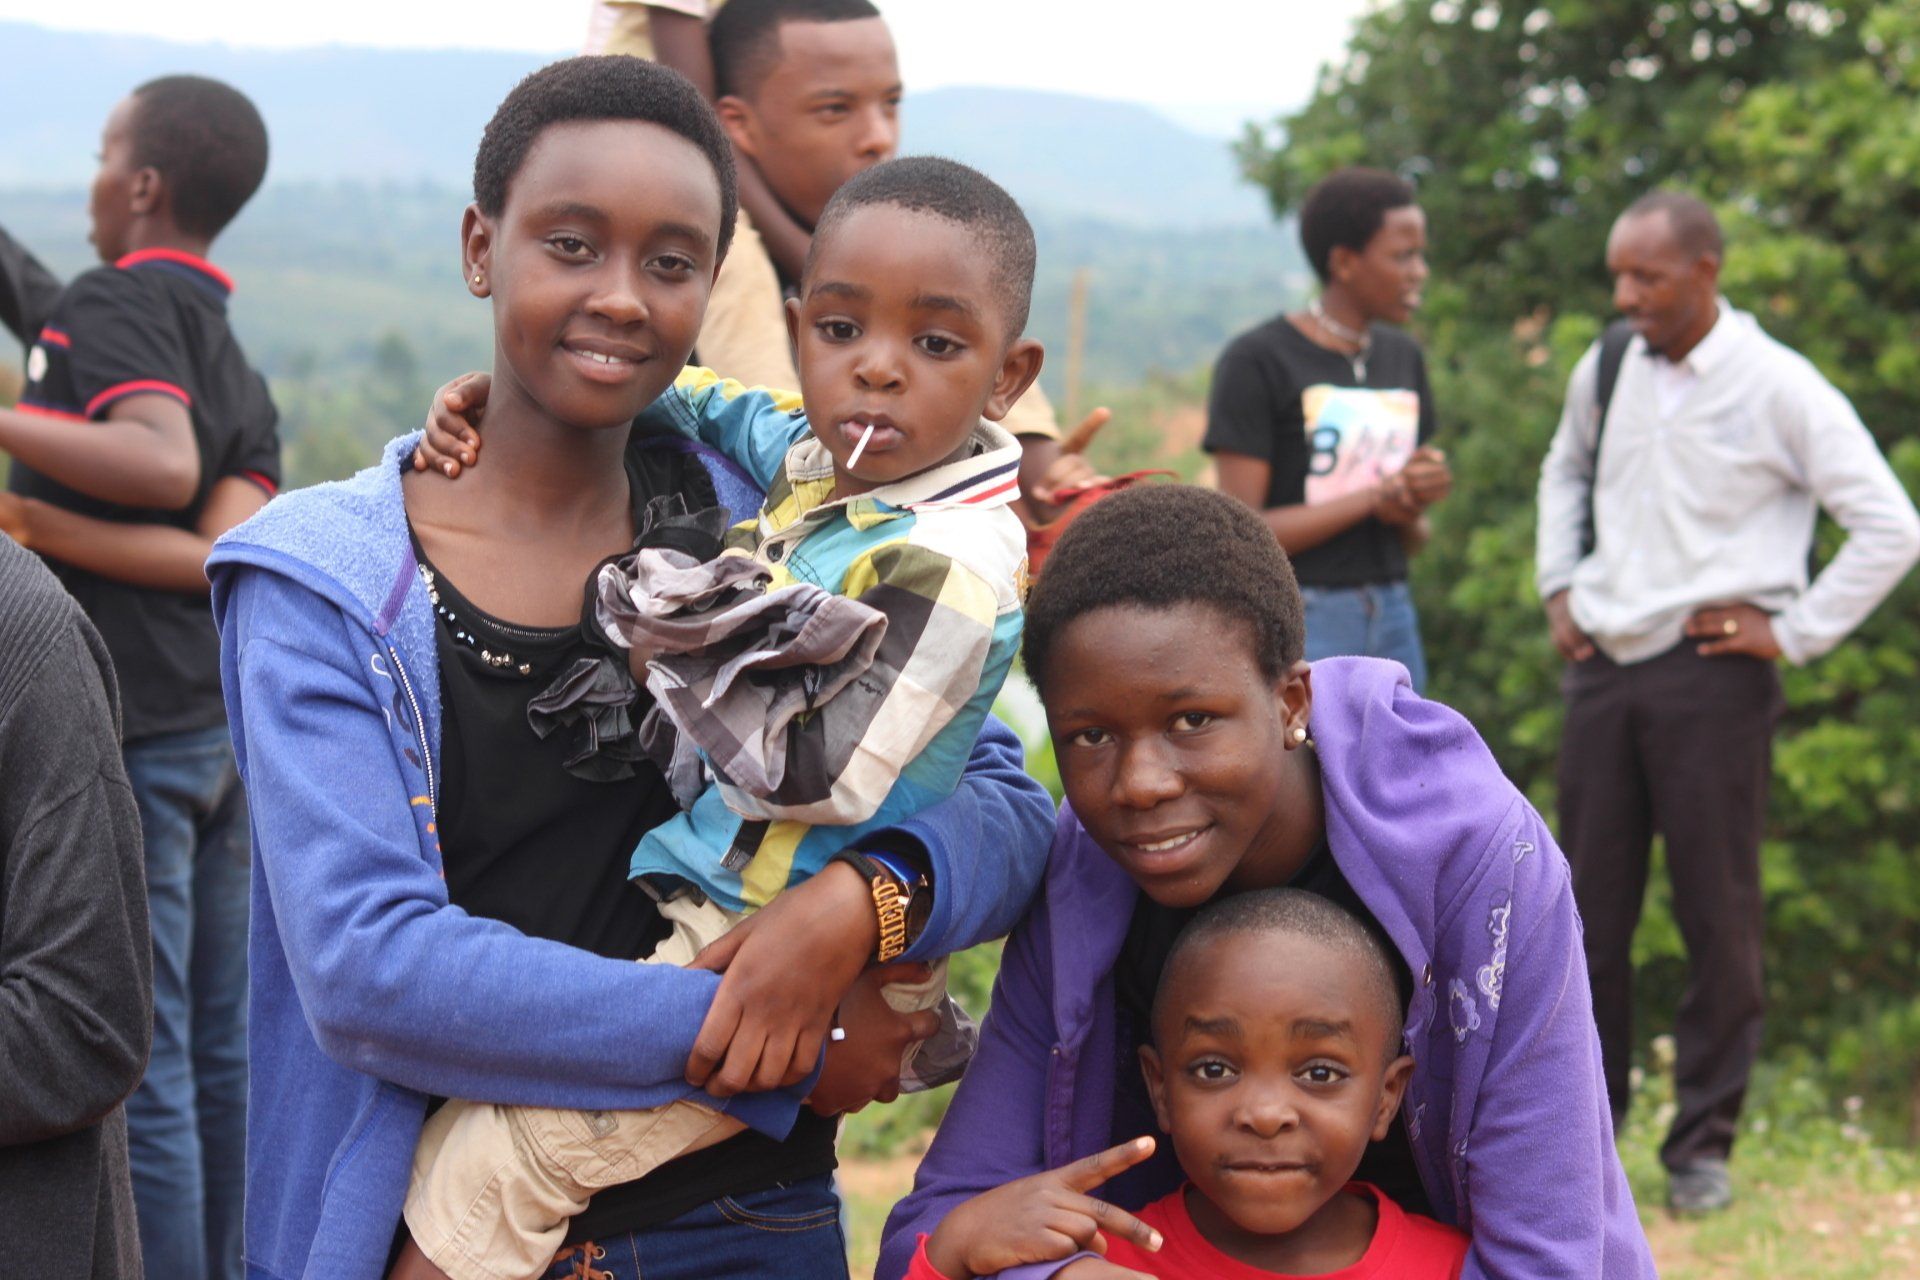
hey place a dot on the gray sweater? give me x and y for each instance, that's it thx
(76, 963)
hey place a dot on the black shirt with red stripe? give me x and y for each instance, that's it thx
(153, 323)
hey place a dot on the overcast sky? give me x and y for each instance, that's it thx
(1224, 61)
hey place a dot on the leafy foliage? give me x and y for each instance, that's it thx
(1528, 127)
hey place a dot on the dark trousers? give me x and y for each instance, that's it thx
(1681, 745)
(787, 1232)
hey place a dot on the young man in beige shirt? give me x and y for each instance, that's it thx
(809, 91)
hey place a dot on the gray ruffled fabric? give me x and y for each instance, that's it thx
(729, 663)
(595, 698)
(597, 695)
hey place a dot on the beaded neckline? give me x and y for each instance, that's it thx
(499, 661)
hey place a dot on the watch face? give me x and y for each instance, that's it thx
(919, 907)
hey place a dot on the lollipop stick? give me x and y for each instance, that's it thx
(853, 459)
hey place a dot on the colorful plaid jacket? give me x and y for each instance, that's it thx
(941, 554)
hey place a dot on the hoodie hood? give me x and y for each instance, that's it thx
(1412, 794)
(346, 539)
(347, 542)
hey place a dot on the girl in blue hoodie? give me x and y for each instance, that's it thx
(1201, 757)
(441, 906)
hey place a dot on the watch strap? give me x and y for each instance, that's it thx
(891, 898)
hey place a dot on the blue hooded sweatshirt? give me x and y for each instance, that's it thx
(370, 992)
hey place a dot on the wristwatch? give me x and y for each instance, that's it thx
(902, 898)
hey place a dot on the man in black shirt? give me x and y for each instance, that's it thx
(1320, 421)
(142, 435)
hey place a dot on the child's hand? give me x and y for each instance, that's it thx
(453, 439)
(1042, 1218)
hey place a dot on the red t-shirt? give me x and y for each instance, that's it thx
(1405, 1247)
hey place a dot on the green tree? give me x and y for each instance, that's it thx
(1528, 127)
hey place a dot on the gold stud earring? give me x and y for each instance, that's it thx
(1299, 733)
(476, 278)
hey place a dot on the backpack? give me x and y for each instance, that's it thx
(1613, 353)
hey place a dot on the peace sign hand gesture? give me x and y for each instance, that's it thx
(1043, 1218)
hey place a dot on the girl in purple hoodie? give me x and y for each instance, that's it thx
(1202, 757)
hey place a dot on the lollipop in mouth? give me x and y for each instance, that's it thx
(853, 459)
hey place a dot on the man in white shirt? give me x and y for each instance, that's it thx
(1675, 523)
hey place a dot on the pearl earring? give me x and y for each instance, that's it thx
(1299, 733)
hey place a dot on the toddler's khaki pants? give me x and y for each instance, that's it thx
(495, 1186)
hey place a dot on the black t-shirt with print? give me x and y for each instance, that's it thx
(153, 323)
(1284, 399)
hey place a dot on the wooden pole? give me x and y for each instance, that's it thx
(1076, 342)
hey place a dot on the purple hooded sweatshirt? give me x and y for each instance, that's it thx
(1507, 1109)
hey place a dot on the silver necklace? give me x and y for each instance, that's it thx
(1361, 338)
(487, 656)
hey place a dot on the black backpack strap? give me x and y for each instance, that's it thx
(1613, 353)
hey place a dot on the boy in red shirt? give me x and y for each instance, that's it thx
(1276, 1058)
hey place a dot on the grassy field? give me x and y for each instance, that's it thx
(1816, 1198)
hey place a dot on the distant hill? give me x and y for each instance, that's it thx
(1086, 157)
(372, 116)
(327, 271)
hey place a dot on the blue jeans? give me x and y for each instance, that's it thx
(187, 1122)
(788, 1232)
(1366, 622)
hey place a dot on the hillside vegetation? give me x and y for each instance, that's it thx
(349, 298)
(1528, 128)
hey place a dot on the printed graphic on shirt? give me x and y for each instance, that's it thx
(1356, 436)
(1464, 1013)
(1492, 976)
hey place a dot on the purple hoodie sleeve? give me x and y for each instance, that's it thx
(1545, 1055)
(994, 1130)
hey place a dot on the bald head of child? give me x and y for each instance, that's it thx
(1276, 1058)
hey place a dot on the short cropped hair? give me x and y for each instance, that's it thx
(610, 87)
(744, 37)
(1345, 210)
(207, 140)
(1301, 914)
(1169, 546)
(950, 190)
(1695, 229)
